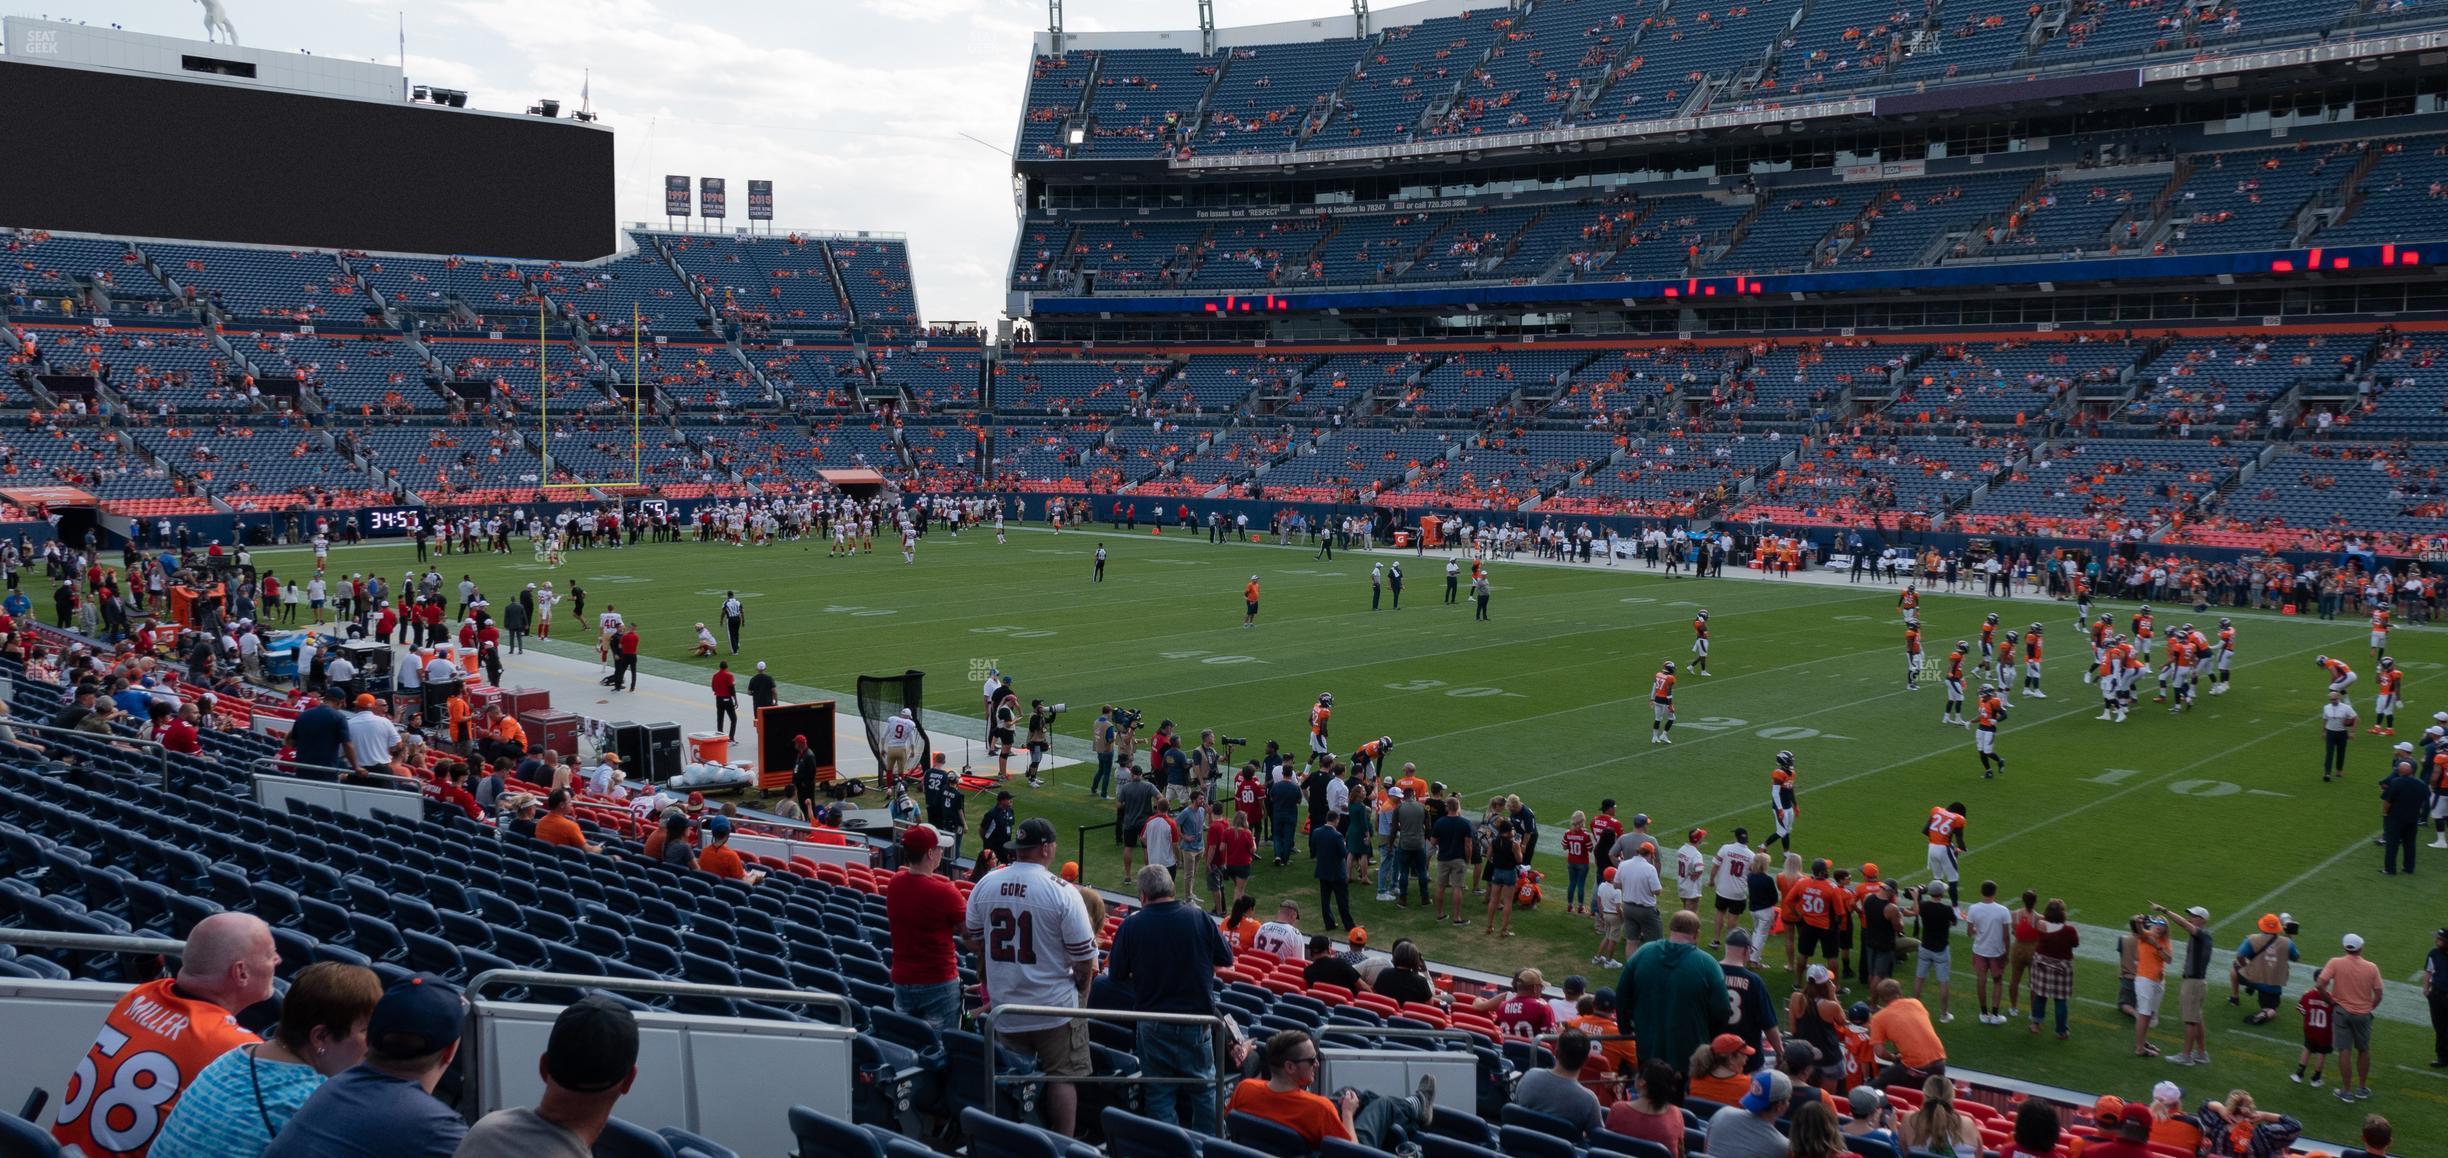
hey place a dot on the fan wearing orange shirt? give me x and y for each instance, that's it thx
(2384, 708)
(162, 1034)
(1820, 905)
(1989, 713)
(1912, 657)
(1661, 704)
(718, 858)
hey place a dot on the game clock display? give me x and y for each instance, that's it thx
(394, 520)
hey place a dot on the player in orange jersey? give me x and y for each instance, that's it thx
(1910, 604)
(1784, 801)
(1955, 687)
(2140, 629)
(1318, 719)
(162, 1034)
(2226, 656)
(2006, 668)
(1988, 646)
(2031, 663)
(2177, 676)
(1991, 711)
(1700, 642)
(2111, 673)
(2341, 677)
(2379, 631)
(1912, 658)
(1661, 704)
(2102, 629)
(1945, 830)
(1249, 602)
(2082, 600)
(2384, 708)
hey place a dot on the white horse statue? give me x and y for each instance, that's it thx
(217, 22)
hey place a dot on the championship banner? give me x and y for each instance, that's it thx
(710, 197)
(760, 200)
(675, 196)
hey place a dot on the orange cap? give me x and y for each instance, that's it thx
(1070, 871)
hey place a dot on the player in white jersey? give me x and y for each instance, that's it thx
(1728, 869)
(909, 543)
(998, 526)
(1031, 932)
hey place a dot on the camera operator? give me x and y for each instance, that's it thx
(1040, 736)
(1206, 766)
(1101, 744)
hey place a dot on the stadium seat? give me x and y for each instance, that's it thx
(992, 1137)
(1527, 1142)
(1264, 1135)
(621, 1139)
(1609, 1141)
(1440, 1146)
(23, 1139)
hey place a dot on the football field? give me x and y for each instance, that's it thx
(2222, 806)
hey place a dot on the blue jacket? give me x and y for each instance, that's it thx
(1326, 847)
(1168, 954)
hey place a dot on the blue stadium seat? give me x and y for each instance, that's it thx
(23, 1139)
(1529, 1142)
(621, 1139)
(824, 1136)
(1440, 1146)
(1610, 1142)
(1264, 1135)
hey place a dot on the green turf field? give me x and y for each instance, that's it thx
(2222, 807)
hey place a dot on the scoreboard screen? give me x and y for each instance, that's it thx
(155, 157)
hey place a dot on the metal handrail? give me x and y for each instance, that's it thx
(1217, 1023)
(275, 766)
(658, 985)
(92, 942)
(160, 754)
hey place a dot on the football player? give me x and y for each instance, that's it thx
(2177, 677)
(2111, 673)
(2031, 663)
(1371, 755)
(1992, 711)
(2341, 677)
(1945, 830)
(1661, 704)
(2384, 708)
(1700, 642)
(2082, 600)
(2379, 631)
(1318, 717)
(1784, 800)
(1912, 657)
(2101, 629)
(2006, 666)
(1988, 646)
(2140, 630)
(1910, 603)
(2226, 656)
(1955, 687)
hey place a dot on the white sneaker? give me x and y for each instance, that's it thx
(1663, 738)
(2105, 716)
(2037, 694)
(1947, 1017)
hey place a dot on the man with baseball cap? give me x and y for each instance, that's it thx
(589, 1062)
(2354, 986)
(2124, 1132)
(384, 1106)
(924, 913)
(1033, 934)
(1748, 1130)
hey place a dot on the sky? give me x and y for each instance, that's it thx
(855, 109)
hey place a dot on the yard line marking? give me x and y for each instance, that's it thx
(2254, 905)
(1713, 682)
(2153, 781)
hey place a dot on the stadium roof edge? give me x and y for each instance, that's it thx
(777, 231)
(625, 250)
(1340, 27)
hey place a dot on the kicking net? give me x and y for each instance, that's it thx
(880, 698)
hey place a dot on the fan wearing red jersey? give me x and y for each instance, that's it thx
(1912, 658)
(1661, 704)
(2318, 1036)
(161, 1035)
(1820, 905)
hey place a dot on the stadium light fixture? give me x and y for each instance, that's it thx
(544, 108)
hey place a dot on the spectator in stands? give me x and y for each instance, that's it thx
(2036, 1131)
(9, 737)
(186, 1022)
(241, 1099)
(1672, 997)
(720, 859)
(1328, 966)
(1557, 1090)
(501, 734)
(589, 1062)
(1283, 1097)
(1656, 1115)
(1816, 1133)
(384, 1106)
(2377, 1134)
(371, 736)
(520, 813)
(2238, 1127)
(1901, 1031)
(1747, 1129)
(676, 851)
(1717, 1069)
(924, 912)
(1870, 1117)
(1167, 953)
(1051, 966)
(558, 826)
(2126, 1135)
(1938, 1126)
(1405, 977)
